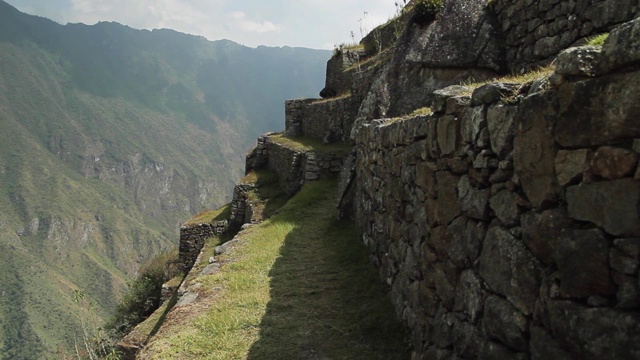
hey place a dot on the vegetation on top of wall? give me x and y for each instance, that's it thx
(310, 144)
(513, 78)
(209, 216)
(424, 111)
(597, 40)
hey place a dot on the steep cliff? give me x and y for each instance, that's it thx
(503, 213)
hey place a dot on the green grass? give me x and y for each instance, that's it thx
(300, 286)
(597, 40)
(424, 111)
(311, 144)
(512, 78)
(209, 216)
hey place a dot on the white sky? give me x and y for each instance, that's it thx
(318, 24)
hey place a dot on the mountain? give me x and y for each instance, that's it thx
(109, 136)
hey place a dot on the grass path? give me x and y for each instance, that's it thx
(298, 287)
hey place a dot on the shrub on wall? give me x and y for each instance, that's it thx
(143, 296)
(425, 11)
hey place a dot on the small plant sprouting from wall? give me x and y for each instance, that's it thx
(425, 11)
(598, 40)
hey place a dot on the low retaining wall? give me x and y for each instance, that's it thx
(192, 239)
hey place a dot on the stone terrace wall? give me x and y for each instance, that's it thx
(294, 167)
(512, 231)
(329, 120)
(192, 238)
(535, 30)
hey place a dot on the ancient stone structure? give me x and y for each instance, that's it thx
(506, 223)
(192, 238)
(534, 31)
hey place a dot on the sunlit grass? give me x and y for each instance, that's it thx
(311, 144)
(300, 285)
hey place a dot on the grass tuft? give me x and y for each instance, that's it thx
(597, 40)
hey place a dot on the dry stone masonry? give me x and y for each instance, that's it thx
(510, 229)
(193, 237)
(536, 30)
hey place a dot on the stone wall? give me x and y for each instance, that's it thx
(293, 166)
(192, 239)
(534, 31)
(328, 120)
(512, 230)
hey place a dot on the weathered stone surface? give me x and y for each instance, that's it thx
(535, 151)
(622, 262)
(474, 121)
(505, 323)
(599, 111)
(448, 42)
(510, 269)
(494, 351)
(541, 232)
(595, 333)
(612, 205)
(621, 47)
(492, 93)
(578, 61)
(473, 202)
(500, 122)
(504, 204)
(571, 164)
(470, 296)
(467, 339)
(445, 208)
(441, 96)
(582, 257)
(544, 347)
(448, 134)
(628, 295)
(465, 241)
(614, 163)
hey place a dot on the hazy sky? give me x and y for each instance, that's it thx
(307, 23)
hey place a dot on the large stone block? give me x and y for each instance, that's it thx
(448, 134)
(462, 37)
(535, 150)
(500, 122)
(621, 47)
(571, 165)
(582, 257)
(612, 205)
(578, 61)
(505, 323)
(541, 232)
(473, 202)
(510, 269)
(599, 111)
(614, 163)
(545, 347)
(595, 333)
(470, 296)
(505, 206)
